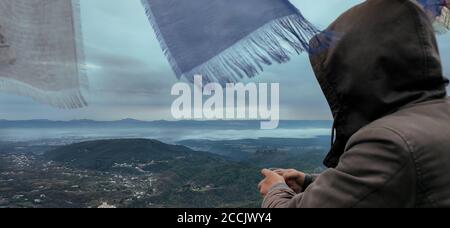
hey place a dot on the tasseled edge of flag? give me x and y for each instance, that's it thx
(64, 99)
(276, 42)
(442, 23)
(81, 58)
(439, 12)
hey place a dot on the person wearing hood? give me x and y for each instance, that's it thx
(384, 82)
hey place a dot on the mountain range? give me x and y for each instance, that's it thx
(216, 124)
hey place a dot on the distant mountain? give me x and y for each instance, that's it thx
(217, 124)
(244, 150)
(310, 162)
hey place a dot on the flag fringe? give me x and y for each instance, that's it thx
(81, 58)
(65, 99)
(275, 42)
(444, 19)
(442, 22)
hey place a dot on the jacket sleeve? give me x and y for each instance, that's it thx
(377, 170)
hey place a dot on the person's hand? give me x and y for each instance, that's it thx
(293, 178)
(271, 179)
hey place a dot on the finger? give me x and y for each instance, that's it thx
(285, 172)
(261, 190)
(267, 172)
(289, 175)
(263, 194)
(260, 184)
(280, 171)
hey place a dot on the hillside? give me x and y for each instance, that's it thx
(103, 155)
(304, 154)
(183, 177)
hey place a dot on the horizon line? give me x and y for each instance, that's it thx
(160, 120)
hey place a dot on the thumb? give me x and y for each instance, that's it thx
(268, 172)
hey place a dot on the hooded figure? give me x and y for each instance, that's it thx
(384, 83)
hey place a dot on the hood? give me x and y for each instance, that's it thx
(382, 56)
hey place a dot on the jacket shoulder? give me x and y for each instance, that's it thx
(421, 126)
(378, 134)
(425, 129)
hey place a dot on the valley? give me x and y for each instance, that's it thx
(138, 173)
(157, 164)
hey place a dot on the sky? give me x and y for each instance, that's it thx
(130, 77)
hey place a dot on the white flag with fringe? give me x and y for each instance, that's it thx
(41, 51)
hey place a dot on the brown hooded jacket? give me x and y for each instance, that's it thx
(383, 79)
